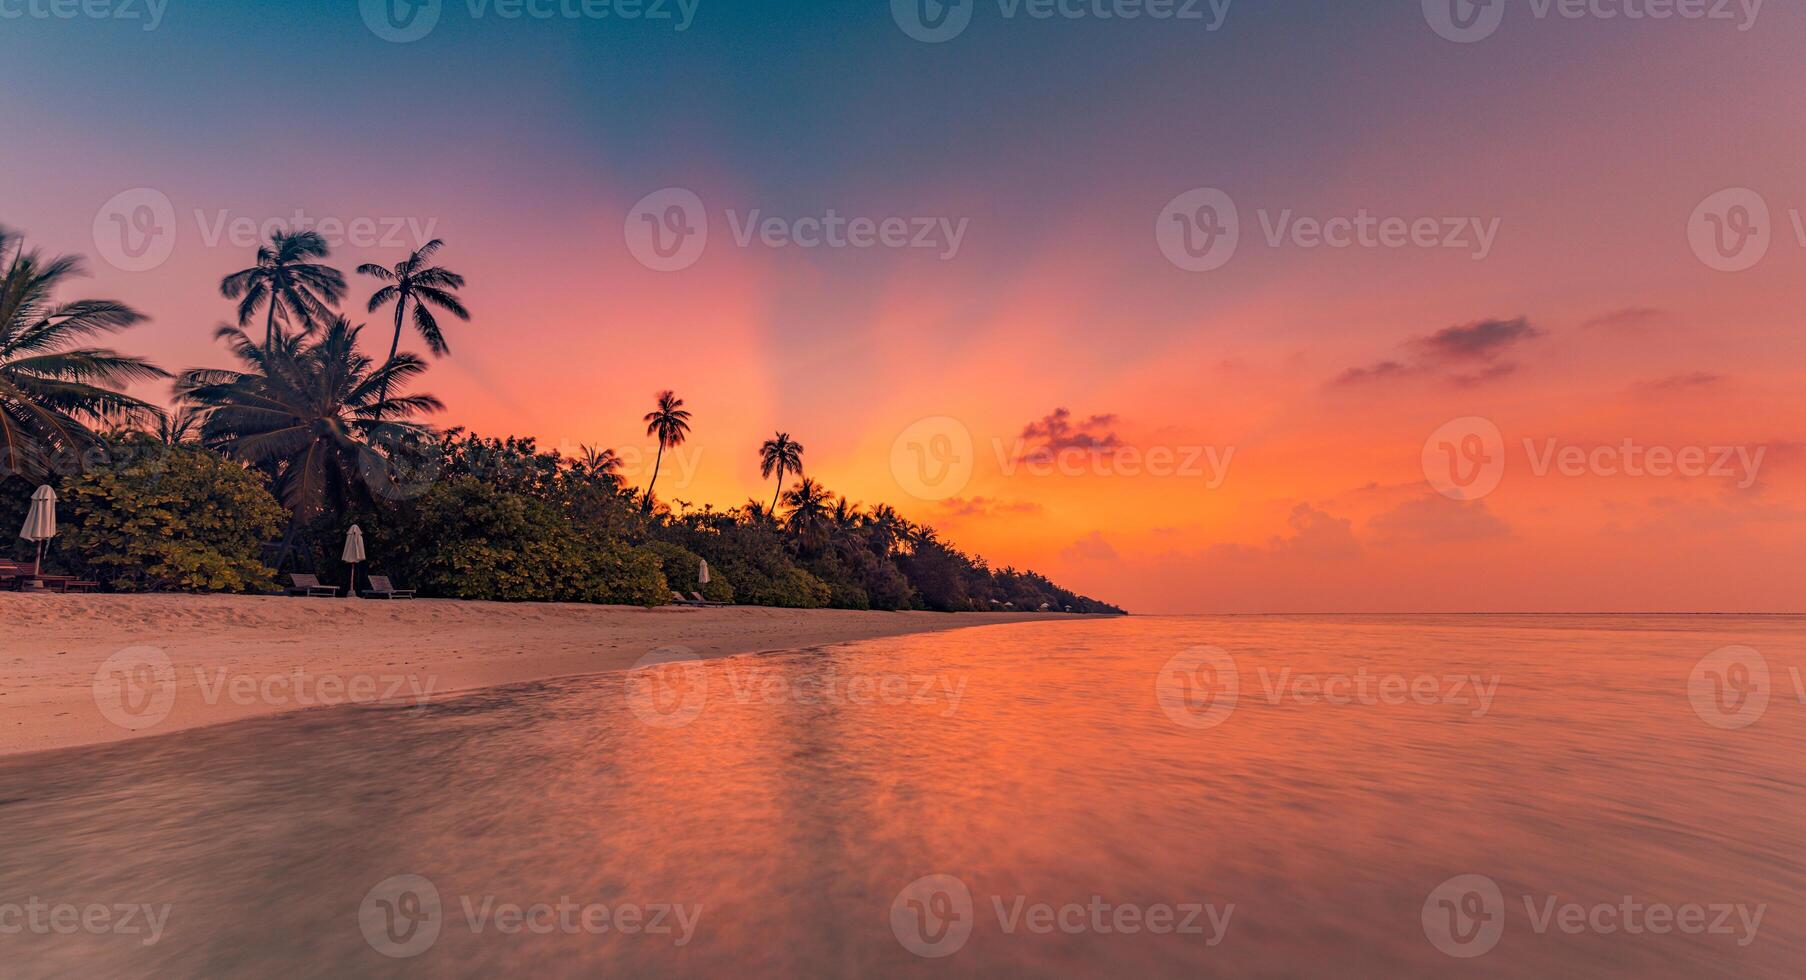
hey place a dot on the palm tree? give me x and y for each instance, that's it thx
(755, 514)
(809, 514)
(672, 425)
(886, 527)
(50, 390)
(309, 415)
(178, 428)
(780, 455)
(845, 516)
(600, 465)
(301, 291)
(600, 460)
(919, 536)
(413, 281)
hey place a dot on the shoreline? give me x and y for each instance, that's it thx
(180, 662)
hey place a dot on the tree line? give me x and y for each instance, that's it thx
(262, 467)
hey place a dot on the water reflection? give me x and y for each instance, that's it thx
(786, 825)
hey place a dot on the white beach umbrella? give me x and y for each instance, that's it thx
(703, 576)
(354, 555)
(40, 523)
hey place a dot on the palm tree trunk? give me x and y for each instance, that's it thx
(290, 538)
(647, 507)
(382, 397)
(269, 328)
(780, 493)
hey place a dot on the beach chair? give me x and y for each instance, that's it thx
(63, 583)
(699, 600)
(382, 588)
(13, 574)
(677, 599)
(309, 586)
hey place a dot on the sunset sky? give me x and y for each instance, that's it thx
(1584, 313)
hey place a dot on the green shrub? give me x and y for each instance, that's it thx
(619, 574)
(754, 561)
(173, 519)
(844, 589)
(681, 566)
(466, 539)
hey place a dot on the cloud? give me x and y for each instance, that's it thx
(1435, 519)
(1093, 547)
(1468, 355)
(1680, 382)
(1491, 373)
(987, 507)
(1377, 372)
(1056, 433)
(1484, 340)
(1316, 534)
(1635, 319)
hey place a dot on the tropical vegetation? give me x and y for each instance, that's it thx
(262, 467)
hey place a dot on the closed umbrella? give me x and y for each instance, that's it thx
(354, 555)
(703, 576)
(40, 523)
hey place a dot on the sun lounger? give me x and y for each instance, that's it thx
(382, 588)
(14, 575)
(63, 583)
(699, 600)
(677, 599)
(309, 586)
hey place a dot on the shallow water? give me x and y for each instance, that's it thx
(790, 805)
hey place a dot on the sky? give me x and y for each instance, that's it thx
(1275, 306)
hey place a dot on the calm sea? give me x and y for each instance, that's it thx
(1363, 796)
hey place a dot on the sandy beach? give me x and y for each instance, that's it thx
(237, 657)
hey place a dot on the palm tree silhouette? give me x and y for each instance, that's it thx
(50, 389)
(303, 292)
(181, 427)
(755, 513)
(886, 527)
(308, 414)
(412, 280)
(845, 517)
(919, 536)
(602, 465)
(809, 515)
(672, 425)
(780, 455)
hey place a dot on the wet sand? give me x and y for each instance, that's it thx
(1540, 797)
(82, 670)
